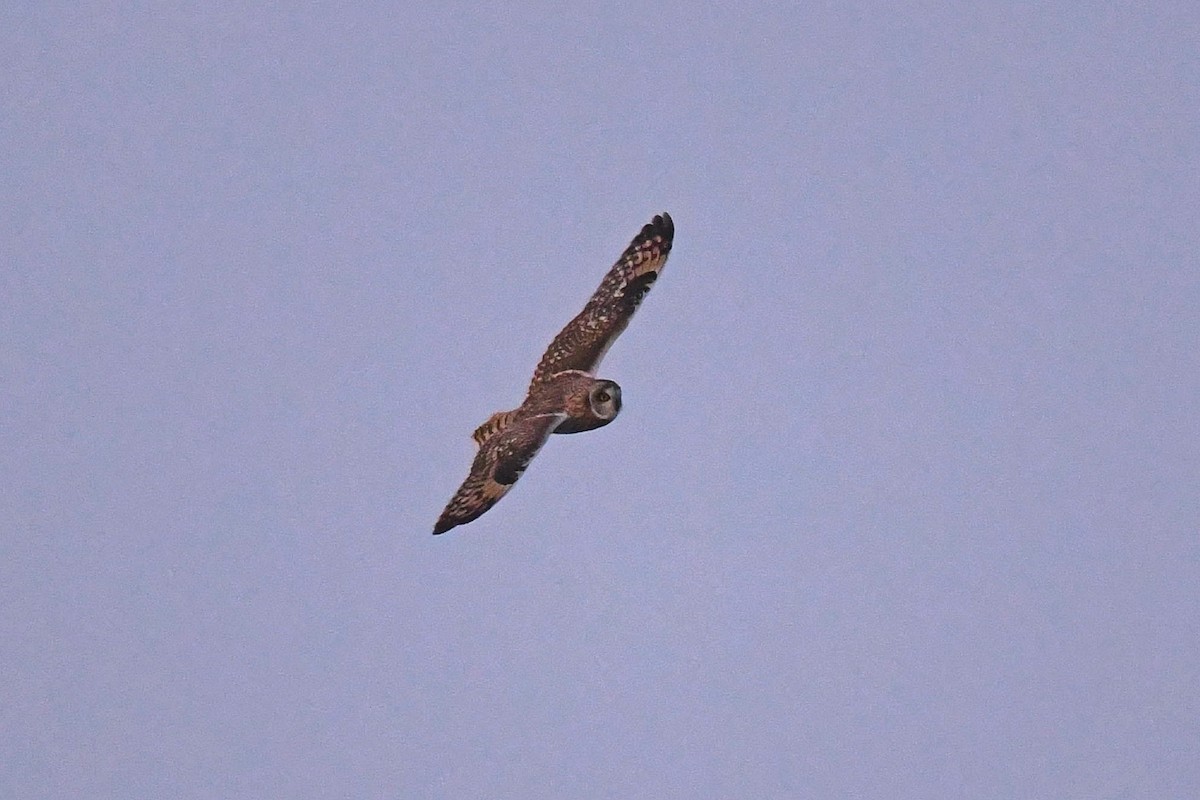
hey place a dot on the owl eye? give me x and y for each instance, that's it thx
(603, 396)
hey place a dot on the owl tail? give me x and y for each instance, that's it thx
(495, 423)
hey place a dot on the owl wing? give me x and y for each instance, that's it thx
(583, 343)
(500, 461)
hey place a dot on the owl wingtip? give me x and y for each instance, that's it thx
(661, 227)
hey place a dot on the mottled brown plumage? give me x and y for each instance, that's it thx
(497, 465)
(584, 341)
(564, 395)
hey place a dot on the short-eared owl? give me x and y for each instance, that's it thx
(565, 395)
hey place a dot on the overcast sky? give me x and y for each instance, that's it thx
(903, 502)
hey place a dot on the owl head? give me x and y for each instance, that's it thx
(604, 399)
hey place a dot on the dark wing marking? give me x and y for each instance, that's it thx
(500, 461)
(583, 343)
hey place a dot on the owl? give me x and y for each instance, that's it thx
(565, 396)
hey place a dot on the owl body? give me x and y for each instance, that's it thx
(565, 396)
(590, 402)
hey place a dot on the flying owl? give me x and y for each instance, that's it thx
(565, 396)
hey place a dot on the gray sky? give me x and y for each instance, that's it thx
(902, 502)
